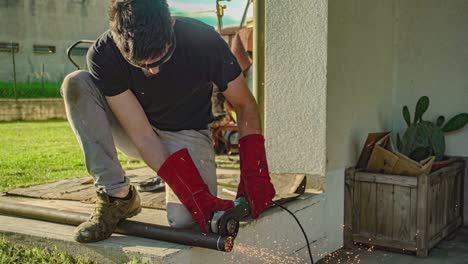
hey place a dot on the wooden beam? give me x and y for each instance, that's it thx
(405, 181)
(422, 248)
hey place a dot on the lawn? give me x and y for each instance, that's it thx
(38, 152)
(30, 90)
(11, 253)
(33, 153)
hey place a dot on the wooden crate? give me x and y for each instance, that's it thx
(402, 212)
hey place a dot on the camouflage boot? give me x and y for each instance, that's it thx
(106, 216)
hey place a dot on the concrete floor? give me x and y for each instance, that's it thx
(454, 251)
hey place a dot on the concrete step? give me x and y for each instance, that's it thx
(273, 238)
(116, 249)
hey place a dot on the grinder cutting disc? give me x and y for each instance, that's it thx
(226, 223)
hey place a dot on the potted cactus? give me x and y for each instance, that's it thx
(424, 138)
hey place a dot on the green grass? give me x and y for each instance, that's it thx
(39, 152)
(11, 253)
(227, 161)
(30, 90)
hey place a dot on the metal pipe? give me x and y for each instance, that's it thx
(14, 70)
(247, 5)
(127, 227)
(69, 50)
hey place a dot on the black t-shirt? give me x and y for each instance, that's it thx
(178, 97)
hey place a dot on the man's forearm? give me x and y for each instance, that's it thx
(248, 120)
(132, 117)
(248, 117)
(152, 151)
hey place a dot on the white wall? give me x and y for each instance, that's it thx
(432, 60)
(295, 99)
(360, 79)
(359, 90)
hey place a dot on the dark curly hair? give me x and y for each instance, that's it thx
(141, 29)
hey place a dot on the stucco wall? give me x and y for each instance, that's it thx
(47, 22)
(295, 117)
(433, 60)
(295, 98)
(360, 77)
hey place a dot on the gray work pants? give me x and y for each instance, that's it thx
(99, 133)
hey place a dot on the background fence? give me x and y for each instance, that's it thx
(21, 77)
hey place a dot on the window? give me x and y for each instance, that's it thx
(9, 46)
(43, 49)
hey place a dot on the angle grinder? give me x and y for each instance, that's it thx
(226, 223)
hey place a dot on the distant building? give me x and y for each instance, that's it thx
(40, 33)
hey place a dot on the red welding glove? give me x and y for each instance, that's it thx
(180, 173)
(255, 184)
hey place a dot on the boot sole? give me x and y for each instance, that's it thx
(134, 213)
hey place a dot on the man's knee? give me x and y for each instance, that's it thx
(74, 85)
(178, 216)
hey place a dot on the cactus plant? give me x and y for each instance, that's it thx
(424, 138)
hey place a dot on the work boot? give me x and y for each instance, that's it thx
(109, 211)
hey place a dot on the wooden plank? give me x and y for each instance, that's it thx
(422, 213)
(445, 231)
(348, 207)
(384, 210)
(356, 207)
(389, 243)
(432, 209)
(401, 213)
(422, 253)
(462, 191)
(434, 180)
(451, 198)
(442, 210)
(449, 170)
(458, 194)
(436, 206)
(413, 213)
(407, 181)
(367, 217)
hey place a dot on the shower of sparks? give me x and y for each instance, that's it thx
(353, 256)
(265, 255)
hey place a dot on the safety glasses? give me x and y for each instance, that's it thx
(160, 62)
